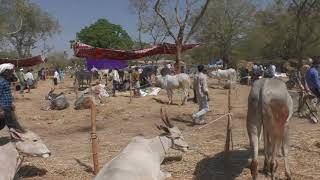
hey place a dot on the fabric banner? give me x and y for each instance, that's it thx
(27, 62)
(86, 51)
(105, 64)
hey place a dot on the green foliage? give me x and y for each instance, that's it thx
(8, 54)
(58, 60)
(104, 34)
(225, 25)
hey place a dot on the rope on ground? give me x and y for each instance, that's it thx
(214, 121)
(209, 122)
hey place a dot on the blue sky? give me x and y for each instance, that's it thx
(73, 15)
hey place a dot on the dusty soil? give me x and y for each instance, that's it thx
(67, 134)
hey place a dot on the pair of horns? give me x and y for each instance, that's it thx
(165, 119)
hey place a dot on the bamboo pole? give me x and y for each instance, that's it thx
(130, 87)
(94, 136)
(227, 165)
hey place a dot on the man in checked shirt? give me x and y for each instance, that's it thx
(7, 117)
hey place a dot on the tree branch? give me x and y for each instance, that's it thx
(197, 19)
(19, 29)
(156, 8)
(177, 13)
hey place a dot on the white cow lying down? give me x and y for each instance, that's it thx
(228, 74)
(12, 152)
(141, 159)
(179, 81)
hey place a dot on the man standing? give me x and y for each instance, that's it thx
(22, 81)
(312, 77)
(136, 82)
(29, 79)
(6, 105)
(201, 93)
(56, 77)
(115, 80)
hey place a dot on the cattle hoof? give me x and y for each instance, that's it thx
(288, 176)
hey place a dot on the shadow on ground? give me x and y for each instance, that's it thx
(212, 168)
(27, 171)
(86, 167)
(160, 101)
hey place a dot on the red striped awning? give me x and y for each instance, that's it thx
(84, 50)
(27, 62)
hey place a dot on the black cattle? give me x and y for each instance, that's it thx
(84, 78)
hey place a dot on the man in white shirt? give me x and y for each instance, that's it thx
(115, 80)
(56, 77)
(29, 79)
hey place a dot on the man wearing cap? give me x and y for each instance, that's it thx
(202, 95)
(6, 105)
(312, 77)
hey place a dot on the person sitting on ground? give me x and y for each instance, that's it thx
(312, 77)
(136, 82)
(6, 100)
(29, 79)
(202, 95)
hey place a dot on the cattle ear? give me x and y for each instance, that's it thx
(15, 135)
(165, 129)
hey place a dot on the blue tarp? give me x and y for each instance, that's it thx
(105, 64)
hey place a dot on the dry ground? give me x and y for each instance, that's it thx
(67, 134)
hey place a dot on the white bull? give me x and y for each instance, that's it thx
(269, 106)
(228, 74)
(142, 158)
(12, 152)
(179, 81)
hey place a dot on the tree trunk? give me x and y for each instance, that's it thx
(178, 58)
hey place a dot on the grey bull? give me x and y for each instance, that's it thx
(57, 101)
(269, 106)
(12, 152)
(141, 159)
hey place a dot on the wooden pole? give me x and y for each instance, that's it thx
(227, 165)
(130, 87)
(94, 138)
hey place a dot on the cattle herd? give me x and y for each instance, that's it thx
(270, 107)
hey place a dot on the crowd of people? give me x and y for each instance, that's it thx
(257, 71)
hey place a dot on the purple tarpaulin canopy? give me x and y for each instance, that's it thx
(105, 64)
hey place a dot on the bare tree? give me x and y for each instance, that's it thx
(306, 15)
(183, 28)
(225, 24)
(37, 25)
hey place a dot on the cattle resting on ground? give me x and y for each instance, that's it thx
(57, 101)
(141, 158)
(269, 106)
(179, 81)
(84, 102)
(13, 150)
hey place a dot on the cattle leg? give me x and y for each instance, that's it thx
(255, 149)
(185, 97)
(254, 134)
(274, 163)
(285, 149)
(169, 93)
